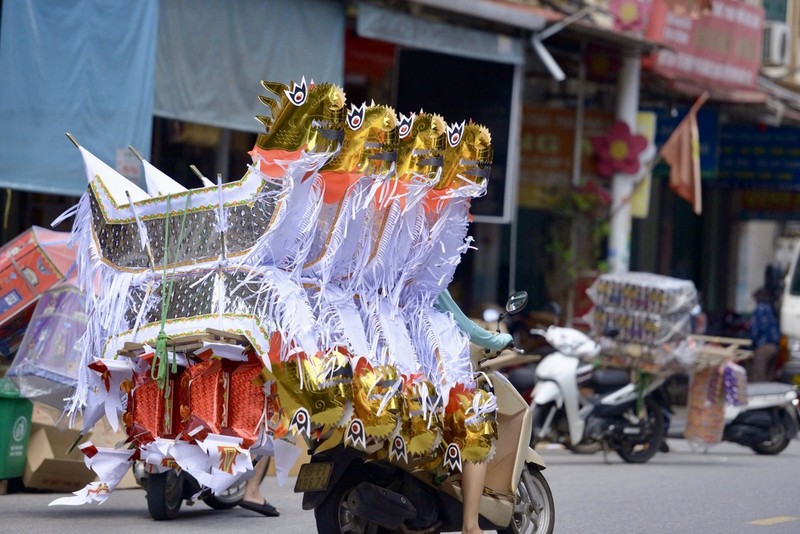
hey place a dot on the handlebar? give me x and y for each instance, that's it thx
(490, 354)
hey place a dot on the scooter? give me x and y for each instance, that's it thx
(351, 491)
(628, 417)
(769, 420)
(166, 492)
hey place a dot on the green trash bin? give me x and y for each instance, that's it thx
(15, 427)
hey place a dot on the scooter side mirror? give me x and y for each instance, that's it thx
(516, 302)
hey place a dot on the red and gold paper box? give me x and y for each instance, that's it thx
(246, 401)
(204, 397)
(30, 264)
(152, 412)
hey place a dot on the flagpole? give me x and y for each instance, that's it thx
(650, 165)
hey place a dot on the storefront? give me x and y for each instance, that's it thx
(494, 62)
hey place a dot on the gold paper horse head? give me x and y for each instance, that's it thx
(468, 155)
(470, 423)
(323, 389)
(421, 421)
(377, 399)
(370, 140)
(422, 143)
(310, 116)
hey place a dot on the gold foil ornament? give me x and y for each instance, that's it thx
(421, 421)
(470, 423)
(376, 399)
(319, 385)
(305, 116)
(370, 141)
(422, 144)
(468, 155)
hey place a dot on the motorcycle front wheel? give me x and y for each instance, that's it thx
(639, 451)
(164, 495)
(534, 511)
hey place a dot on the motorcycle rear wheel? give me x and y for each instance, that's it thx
(333, 515)
(164, 495)
(780, 439)
(640, 452)
(228, 499)
(534, 511)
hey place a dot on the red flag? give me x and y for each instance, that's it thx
(682, 153)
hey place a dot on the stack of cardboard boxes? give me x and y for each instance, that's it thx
(52, 466)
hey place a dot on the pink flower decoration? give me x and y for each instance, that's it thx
(628, 14)
(618, 152)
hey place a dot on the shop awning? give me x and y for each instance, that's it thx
(439, 36)
(212, 55)
(84, 67)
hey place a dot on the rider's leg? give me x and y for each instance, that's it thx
(252, 488)
(474, 476)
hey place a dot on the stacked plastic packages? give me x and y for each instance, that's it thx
(302, 299)
(641, 318)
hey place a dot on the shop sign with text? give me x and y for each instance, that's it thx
(721, 50)
(756, 156)
(546, 151)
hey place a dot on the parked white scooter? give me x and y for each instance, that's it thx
(769, 420)
(619, 414)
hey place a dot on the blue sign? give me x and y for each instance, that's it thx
(707, 126)
(755, 156)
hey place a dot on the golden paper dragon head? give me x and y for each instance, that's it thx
(422, 143)
(421, 421)
(377, 399)
(305, 116)
(470, 423)
(468, 155)
(370, 140)
(321, 385)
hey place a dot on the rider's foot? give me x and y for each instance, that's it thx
(263, 508)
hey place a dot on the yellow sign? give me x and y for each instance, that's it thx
(640, 200)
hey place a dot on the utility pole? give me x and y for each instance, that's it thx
(619, 241)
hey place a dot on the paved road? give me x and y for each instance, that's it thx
(727, 490)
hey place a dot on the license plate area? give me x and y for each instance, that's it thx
(313, 477)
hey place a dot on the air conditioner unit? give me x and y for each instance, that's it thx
(775, 46)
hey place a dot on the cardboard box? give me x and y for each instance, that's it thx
(48, 466)
(31, 263)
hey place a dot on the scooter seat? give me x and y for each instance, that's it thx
(610, 378)
(767, 388)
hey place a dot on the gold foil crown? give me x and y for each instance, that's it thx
(422, 144)
(370, 140)
(310, 116)
(468, 155)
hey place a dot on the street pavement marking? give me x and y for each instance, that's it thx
(774, 520)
